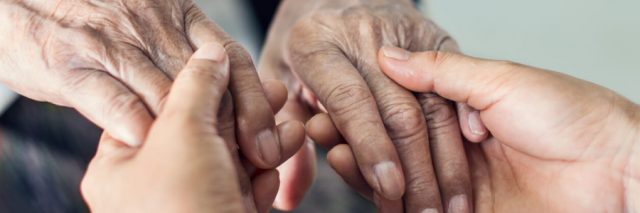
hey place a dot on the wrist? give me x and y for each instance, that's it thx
(632, 173)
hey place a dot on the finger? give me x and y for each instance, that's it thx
(471, 125)
(341, 159)
(170, 48)
(197, 95)
(111, 105)
(384, 205)
(447, 150)
(276, 94)
(352, 107)
(480, 171)
(296, 176)
(257, 134)
(198, 90)
(111, 149)
(343, 162)
(499, 90)
(292, 137)
(322, 131)
(140, 74)
(297, 173)
(226, 128)
(265, 188)
(454, 77)
(406, 126)
(226, 123)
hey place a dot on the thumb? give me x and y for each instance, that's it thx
(477, 82)
(521, 106)
(199, 88)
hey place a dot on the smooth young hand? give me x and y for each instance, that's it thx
(190, 160)
(558, 144)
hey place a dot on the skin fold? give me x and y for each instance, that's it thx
(413, 132)
(190, 161)
(326, 54)
(558, 144)
(115, 62)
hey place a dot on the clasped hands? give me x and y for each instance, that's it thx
(201, 134)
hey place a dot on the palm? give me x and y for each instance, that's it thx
(506, 180)
(541, 165)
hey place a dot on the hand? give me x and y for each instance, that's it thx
(114, 61)
(189, 161)
(558, 144)
(327, 49)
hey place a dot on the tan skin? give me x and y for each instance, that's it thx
(190, 160)
(558, 144)
(115, 61)
(326, 54)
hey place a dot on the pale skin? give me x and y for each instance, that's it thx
(325, 53)
(558, 144)
(189, 162)
(115, 61)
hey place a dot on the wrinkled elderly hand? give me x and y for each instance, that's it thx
(327, 49)
(189, 162)
(558, 144)
(114, 61)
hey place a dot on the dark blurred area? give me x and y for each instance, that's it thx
(44, 150)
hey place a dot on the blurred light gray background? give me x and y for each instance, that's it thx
(595, 40)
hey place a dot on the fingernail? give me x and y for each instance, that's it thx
(390, 180)
(475, 123)
(459, 203)
(211, 51)
(268, 147)
(429, 211)
(396, 53)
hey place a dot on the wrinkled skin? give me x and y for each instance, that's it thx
(114, 61)
(190, 160)
(326, 53)
(558, 144)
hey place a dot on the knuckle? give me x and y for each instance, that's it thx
(204, 72)
(192, 13)
(438, 112)
(347, 98)
(311, 36)
(404, 120)
(238, 55)
(123, 105)
(162, 100)
(316, 23)
(226, 117)
(421, 185)
(437, 58)
(358, 13)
